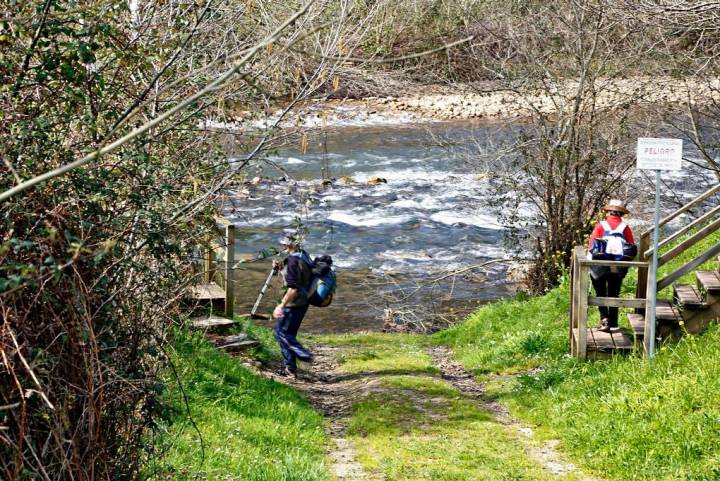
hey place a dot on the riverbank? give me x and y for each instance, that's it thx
(480, 101)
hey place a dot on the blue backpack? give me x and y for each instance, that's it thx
(613, 246)
(322, 288)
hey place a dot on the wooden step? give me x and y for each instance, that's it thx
(637, 322)
(212, 323)
(207, 292)
(688, 297)
(235, 343)
(665, 311)
(616, 340)
(708, 280)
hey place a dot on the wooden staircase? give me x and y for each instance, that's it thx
(690, 310)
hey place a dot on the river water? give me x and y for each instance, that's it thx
(435, 213)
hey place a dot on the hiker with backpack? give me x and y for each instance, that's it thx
(308, 282)
(611, 239)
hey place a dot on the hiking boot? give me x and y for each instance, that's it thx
(286, 371)
(604, 326)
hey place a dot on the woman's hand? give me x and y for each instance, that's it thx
(278, 311)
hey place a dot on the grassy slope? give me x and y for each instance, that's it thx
(617, 417)
(253, 428)
(409, 424)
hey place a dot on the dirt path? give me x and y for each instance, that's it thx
(545, 454)
(332, 393)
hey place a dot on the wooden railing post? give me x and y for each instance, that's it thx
(229, 270)
(573, 302)
(209, 264)
(583, 274)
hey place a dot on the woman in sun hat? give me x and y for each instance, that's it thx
(607, 281)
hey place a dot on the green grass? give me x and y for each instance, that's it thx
(619, 418)
(253, 428)
(511, 335)
(383, 353)
(267, 351)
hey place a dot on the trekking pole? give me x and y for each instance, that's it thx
(253, 313)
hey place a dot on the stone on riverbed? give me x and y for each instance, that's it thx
(374, 180)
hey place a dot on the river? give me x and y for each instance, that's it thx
(435, 213)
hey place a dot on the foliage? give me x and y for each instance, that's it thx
(93, 263)
(77, 254)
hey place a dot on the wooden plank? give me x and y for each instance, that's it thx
(688, 296)
(637, 322)
(240, 345)
(676, 235)
(229, 270)
(225, 340)
(708, 280)
(693, 264)
(615, 340)
(706, 195)
(666, 311)
(595, 262)
(212, 323)
(207, 292)
(689, 242)
(617, 302)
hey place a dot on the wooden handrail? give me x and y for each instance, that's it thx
(708, 215)
(704, 196)
(681, 271)
(617, 302)
(597, 262)
(689, 242)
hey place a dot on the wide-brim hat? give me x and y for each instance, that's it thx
(616, 205)
(290, 237)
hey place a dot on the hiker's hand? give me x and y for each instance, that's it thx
(278, 312)
(276, 265)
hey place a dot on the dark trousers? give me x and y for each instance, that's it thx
(608, 285)
(286, 334)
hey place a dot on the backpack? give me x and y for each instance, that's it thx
(322, 288)
(613, 246)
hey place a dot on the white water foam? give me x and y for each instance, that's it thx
(370, 219)
(450, 217)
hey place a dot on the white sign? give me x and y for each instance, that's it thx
(659, 154)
